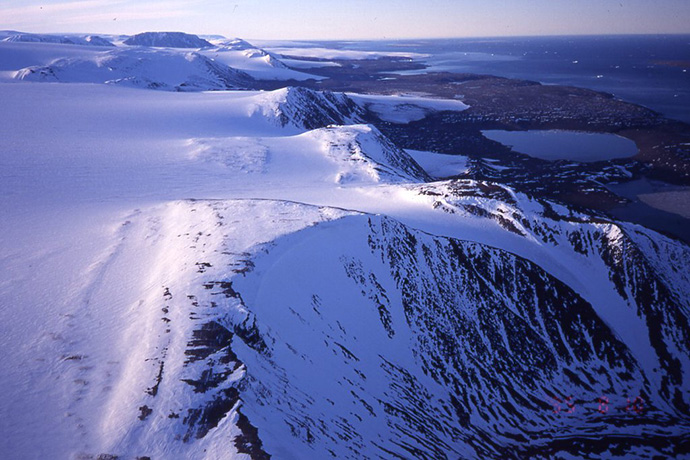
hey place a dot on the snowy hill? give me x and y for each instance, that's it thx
(173, 68)
(236, 44)
(95, 40)
(257, 62)
(141, 67)
(92, 40)
(471, 341)
(167, 40)
(261, 333)
(309, 109)
(368, 154)
(245, 274)
(346, 155)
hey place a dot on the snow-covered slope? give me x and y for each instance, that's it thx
(477, 351)
(167, 40)
(439, 165)
(370, 156)
(346, 155)
(141, 67)
(335, 54)
(406, 108)
(309, 109)
(244, 274)
(310, 329)
(93, 40)
(235, 44)
(210, 68)
(255, 61)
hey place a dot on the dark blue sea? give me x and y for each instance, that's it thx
(651, 70)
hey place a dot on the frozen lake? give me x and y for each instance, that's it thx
(565, 145)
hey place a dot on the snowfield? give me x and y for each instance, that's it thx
(406, 108)
(330, 54)
(238, 273)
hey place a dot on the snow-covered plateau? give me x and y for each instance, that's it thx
(196, 269)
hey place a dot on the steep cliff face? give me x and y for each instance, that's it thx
(354, 336)
(476, 353)
(635, 278)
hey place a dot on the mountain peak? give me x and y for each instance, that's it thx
(309, 109)
(236, 44)
(167, 40)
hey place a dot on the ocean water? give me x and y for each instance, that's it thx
(651, 70)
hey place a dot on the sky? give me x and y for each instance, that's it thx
(349, 19)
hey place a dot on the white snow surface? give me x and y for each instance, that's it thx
(302, 64)
(140, 67)
(404, 108)
(167, 40)
(330, 54)
(88, 40)
(256, 62)
(438, 165)
(97, 192)
(54, 58)
(18, 55)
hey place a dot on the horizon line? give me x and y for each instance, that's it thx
(345, 39)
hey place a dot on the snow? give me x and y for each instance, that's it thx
(330, 54)
(300, 64)
(167, 40)
(439, 165)
(257, 63)
(406, 108)
(140, 67)
(17, 55)
(90, 40)
(236, 44)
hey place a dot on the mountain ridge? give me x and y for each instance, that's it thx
(167, 40)
(253, 327)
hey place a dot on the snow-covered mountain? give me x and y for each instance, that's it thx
(351, 156)
(309, 109)
(160, 60)
(356, 336)
(142, 67)
(235, 44)
(315, 331)
(261, 274)
(167, 40)
(257, 62)
(93, 40)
